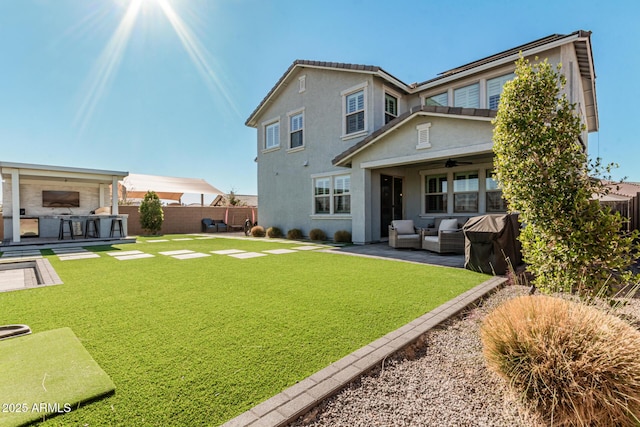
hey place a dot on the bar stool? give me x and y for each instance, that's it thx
(117, 221)
(88, 225)
(61, 232)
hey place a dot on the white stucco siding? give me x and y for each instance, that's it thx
(285, 183)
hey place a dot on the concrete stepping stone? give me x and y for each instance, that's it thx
(228, 252)
(189, 256)
(157, 240)
(280, 251)
(133, 256)
(246, 255)
(69, 250)
(182, 239)
(124, 253)
(308, 248)
(204, 238)
(12, 279)
(21, 254)
(179, 252)
(70, 257)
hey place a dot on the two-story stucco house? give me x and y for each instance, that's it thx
(351, 147)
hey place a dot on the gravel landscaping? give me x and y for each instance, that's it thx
(440, 381)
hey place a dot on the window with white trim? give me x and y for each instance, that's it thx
(390, 108)
(272, 135)
(332, 195)
(465, 192)
(494, 90)
(296, 129)
(494, 200)
(467, 97)
(342, 194)
(354, 112)
(441, 100)
(322, 196)
(435, 193)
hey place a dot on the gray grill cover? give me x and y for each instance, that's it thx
(489, 241)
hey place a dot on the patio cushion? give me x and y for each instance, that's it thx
(448, 225)
(408, 236)
(403, 226)
(433, 239)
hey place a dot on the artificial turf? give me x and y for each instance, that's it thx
(199, 341)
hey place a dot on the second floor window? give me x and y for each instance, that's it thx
(494, 90)
(296, 128)
(390, 108)
(441, 100)
(272, 135)
(467, 97)
(354, 112)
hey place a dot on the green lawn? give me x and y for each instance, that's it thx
(199, 341)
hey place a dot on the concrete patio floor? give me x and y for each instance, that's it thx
(383, 250)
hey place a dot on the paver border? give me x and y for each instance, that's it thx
(287, 406)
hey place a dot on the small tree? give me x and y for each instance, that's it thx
(151, 215)
(570, 242)
(232, 200)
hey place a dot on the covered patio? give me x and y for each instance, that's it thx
(57, 205)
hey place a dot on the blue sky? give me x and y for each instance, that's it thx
(166, 90)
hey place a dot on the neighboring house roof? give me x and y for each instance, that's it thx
(580, 38)
(167, 187)
(344, 158)
(246, 199)
(627, 189)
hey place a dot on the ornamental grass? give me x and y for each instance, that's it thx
(575, 364)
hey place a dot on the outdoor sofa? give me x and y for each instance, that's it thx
(448, 238)
(404, 234)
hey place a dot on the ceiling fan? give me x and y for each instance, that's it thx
(450, 163)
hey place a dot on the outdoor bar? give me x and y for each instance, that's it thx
(55, 203)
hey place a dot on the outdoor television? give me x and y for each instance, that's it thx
(61, 199)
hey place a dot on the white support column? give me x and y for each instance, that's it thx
(101, 190)
(15, 204)
(114, 196)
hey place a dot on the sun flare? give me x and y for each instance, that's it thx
(108, 62)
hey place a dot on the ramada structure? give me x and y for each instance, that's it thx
(352, 147)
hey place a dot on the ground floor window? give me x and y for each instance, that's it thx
(494, 200)
(332, 195)
(461, 192)
(465, 192)
(436, 193)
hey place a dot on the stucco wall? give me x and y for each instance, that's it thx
(285, 184)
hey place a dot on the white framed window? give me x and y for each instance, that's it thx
(296, 130)
(390, 107)
(440, 100)
(354, 109)
(272, 135)
(494, 90)
(467, 97)
(342, 194)
(332, 195)
(465, 192)
(493, 195)
(322, 196)
(435, 193)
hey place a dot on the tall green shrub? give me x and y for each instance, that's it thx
(570, 242)
(151, 214)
